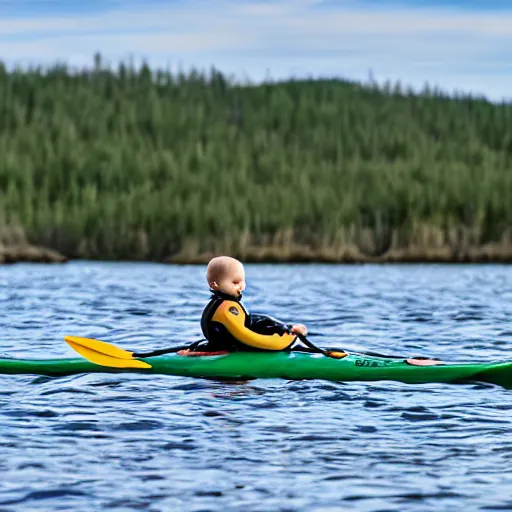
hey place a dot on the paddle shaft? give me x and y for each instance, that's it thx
(163, 351)
(301, 337)
(171, 350)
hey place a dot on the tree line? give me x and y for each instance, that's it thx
(132, 163)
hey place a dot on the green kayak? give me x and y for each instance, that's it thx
(268, 365)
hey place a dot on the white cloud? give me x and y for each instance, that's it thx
(451, 48)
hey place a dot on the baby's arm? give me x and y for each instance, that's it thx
(264, 324)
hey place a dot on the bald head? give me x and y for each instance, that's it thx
(221, 266)
(226, 274)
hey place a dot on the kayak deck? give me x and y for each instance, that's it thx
(282, 365)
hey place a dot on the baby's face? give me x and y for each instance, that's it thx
(233, 281)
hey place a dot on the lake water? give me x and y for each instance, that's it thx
(136, 442)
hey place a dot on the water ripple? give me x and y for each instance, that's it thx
(133, 442)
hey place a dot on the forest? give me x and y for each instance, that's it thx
(131, 163)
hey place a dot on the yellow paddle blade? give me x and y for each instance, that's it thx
(104, 354)
(100, 346)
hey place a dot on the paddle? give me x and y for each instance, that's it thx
(107, 354)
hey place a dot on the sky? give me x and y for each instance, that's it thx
(459, 45)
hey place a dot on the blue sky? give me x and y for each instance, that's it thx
(464, 45)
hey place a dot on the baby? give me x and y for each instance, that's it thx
(226, 324)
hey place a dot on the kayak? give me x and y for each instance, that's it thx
(269, 365)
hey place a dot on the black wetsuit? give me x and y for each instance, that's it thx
(227, 325)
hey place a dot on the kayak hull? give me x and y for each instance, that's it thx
(280, 365)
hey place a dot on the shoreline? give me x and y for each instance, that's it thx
(28, 253)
